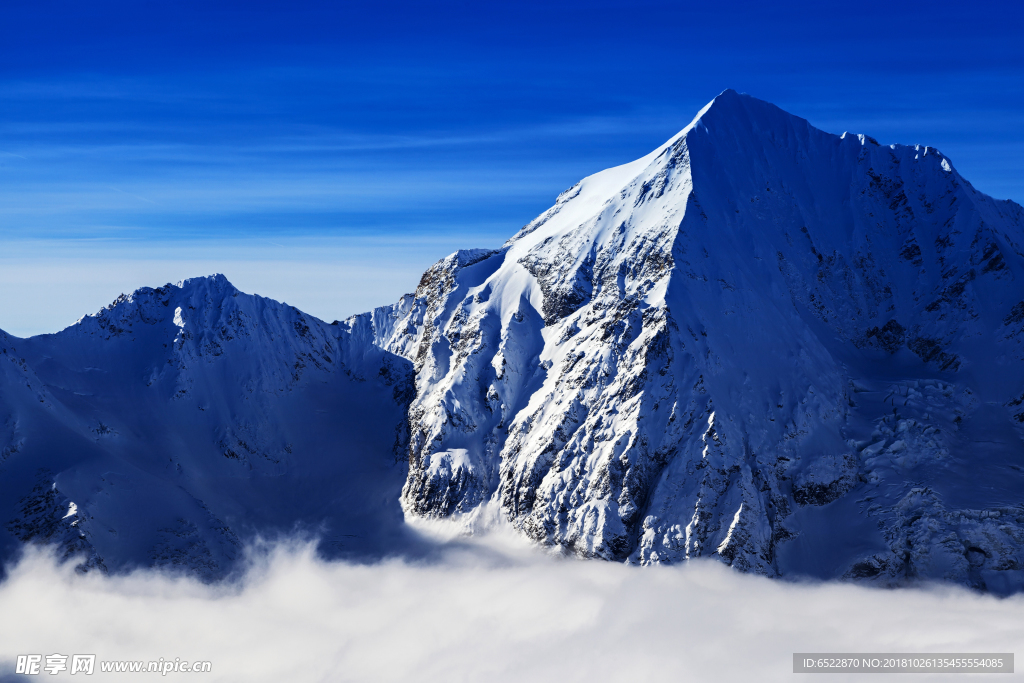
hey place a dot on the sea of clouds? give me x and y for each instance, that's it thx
(487, 608)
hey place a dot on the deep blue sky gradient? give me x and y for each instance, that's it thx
(135, 124)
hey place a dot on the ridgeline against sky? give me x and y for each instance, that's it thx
(795, 352)
(143, 131)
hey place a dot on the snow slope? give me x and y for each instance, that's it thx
(180, 421)
(794, 351)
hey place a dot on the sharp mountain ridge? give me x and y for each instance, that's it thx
(795, 352)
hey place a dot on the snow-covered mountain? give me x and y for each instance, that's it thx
(796, 352)
(180, 421)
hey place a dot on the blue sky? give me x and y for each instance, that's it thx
(324, 153)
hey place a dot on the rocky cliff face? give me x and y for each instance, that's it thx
(797, 352)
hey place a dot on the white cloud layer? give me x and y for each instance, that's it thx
(483, 610)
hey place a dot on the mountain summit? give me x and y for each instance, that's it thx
(795, 352)
(179, 422)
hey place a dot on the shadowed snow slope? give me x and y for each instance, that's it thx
(178, 421)
(797, 352)
(794, 352)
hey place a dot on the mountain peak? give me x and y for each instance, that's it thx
(727, 99)
(152, 305)
(732, 115)
(215, 282)
(721, 326)
(730, 107)
(740, 111)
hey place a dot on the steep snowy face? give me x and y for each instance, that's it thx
(178, 421)
(795, 351)
(581, 289)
